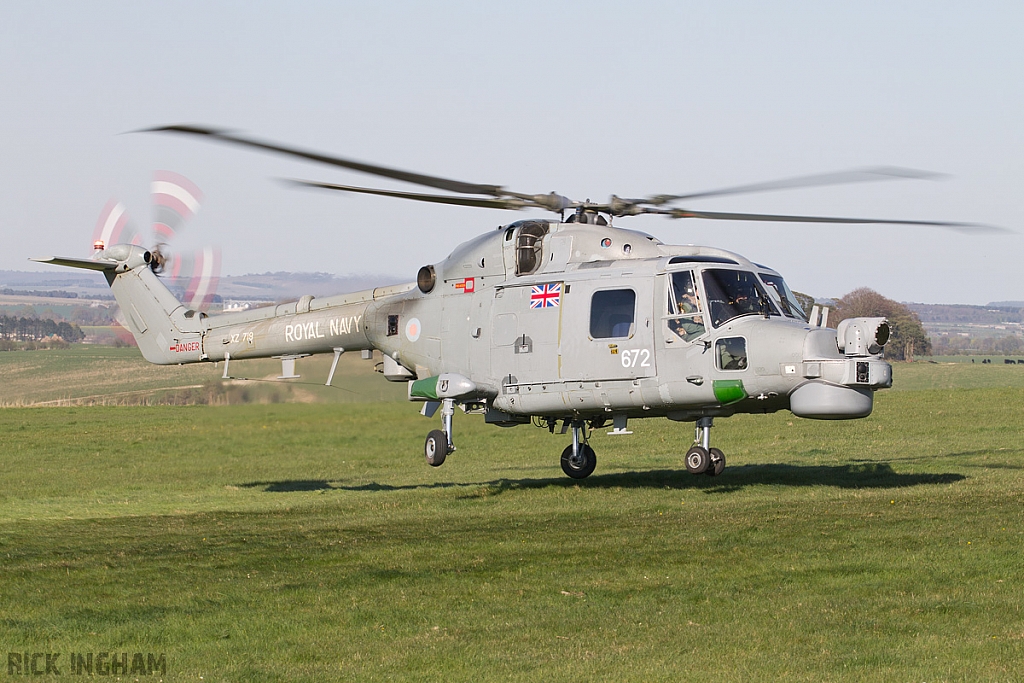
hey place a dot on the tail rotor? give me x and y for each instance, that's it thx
(114, 226)
(199, 273)
(175, 201)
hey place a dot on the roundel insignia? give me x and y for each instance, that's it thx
(606, 242)
(413, 329)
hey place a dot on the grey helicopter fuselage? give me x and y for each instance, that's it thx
(558, 321)
(571, 321)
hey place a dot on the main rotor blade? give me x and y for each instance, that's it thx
(513, 204)
(723, 216)
(861, 175)
(362, 167)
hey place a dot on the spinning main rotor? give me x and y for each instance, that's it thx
(498, 197)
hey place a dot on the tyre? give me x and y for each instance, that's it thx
(697, 460)
(582, 466)
(717, 465)
(436, 448)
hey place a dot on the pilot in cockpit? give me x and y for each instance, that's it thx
(687, 304)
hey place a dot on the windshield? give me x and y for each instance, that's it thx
(735, 293)
(786, 299)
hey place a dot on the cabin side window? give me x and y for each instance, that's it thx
(685, 317)
(731, 353)
(612, 313)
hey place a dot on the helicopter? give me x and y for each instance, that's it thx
(570, 323)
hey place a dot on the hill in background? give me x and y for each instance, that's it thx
(991, 314)
(278, 286)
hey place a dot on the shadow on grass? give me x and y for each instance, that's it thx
(866, 475)
(1002, 452)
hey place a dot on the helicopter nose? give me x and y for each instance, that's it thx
(843, 368)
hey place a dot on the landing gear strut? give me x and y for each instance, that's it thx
(439, 442)
(701, 458)
(578, 459)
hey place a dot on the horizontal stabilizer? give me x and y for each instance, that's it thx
(87, 263)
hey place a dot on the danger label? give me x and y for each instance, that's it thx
(185, 347)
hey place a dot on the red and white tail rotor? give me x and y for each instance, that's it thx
(176, 200)
(199, 272)
(114, 227)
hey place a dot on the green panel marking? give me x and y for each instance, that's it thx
(425, 388)
(729, 390)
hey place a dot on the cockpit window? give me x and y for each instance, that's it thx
(789, 303)
(735, 293)
(684, 307)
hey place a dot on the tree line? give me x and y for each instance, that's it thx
(908, 336)
(13, 328)
(52, 293)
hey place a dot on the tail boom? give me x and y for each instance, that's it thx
(170, 333)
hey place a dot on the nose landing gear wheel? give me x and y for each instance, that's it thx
(436, 448)
(717, 465)
(582, 465)
(697, 460)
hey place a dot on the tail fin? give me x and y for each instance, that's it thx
(166, 331)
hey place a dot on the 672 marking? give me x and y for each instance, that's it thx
(632, 358)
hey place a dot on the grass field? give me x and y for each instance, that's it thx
(277, 541)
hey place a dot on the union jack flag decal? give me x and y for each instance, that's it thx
(546, 296)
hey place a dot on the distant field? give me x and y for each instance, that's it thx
(970, 360)
(101, 334)
(93, 374)
(950, 374)
(276, 542)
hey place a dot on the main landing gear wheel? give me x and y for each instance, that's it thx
(581, 465)
(701, 458)
(436, 448)
(697, 460)
(717, 465)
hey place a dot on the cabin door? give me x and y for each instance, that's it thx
(607, 329)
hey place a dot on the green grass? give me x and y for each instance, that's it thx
(285, 541)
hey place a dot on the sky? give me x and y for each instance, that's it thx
(587, 99)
